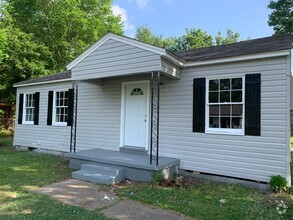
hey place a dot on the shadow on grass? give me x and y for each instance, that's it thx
(22, 171)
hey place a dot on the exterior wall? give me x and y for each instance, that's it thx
(114, 58)
(170, 68)
(42, 136)
(248, 157)
(99, 112)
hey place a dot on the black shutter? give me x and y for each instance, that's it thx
(20, 109)
(37, 108)
(252, 104)
(199, 104)
(50, 107)
(70, 107)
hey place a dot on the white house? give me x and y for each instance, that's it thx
(220, 110)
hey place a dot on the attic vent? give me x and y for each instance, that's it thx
(136, 91)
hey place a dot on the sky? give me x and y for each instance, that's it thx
(172, 17)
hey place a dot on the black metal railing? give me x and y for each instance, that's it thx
(74, 118)
(155, 106)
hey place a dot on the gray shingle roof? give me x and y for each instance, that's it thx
(56, 76)
(261, 45)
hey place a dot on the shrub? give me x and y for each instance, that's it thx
(6, 132)
(157, 177)
(290, 190)
(278, 183)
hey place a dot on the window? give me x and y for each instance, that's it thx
(225, 108)
(28, 108)
(60, 108)
(136, 91)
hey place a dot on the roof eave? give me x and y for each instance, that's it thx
(40, 83)
(238, 58)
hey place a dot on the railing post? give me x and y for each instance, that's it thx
(155, 107)
(74, 118)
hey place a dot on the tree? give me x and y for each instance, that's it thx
(38, 37)
(144, 34)
(281, 19)
(65, 27)
(23, 58)
(3, 44)
(230, 38)
(193, 38)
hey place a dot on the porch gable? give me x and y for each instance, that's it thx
(114, 55)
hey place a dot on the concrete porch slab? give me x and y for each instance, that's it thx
(126, 159)
(137, 166)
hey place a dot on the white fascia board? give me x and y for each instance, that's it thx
(119, 38)
(238, 58)
(174, 60)
(40, 83)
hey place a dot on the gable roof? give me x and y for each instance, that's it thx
(248, 47)
(61, 76)
(126, 40)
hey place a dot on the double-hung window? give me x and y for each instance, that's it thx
(225, 105)
(60, 108)
(28, 109)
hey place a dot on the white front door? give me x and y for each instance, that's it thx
(135, 118)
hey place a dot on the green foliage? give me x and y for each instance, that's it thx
(144, 34)
(281, 18)
(6, 132)
(230, 38)
(193, 38)
(3, 44)
(2, 112)
(66, 27)
(278, 183)
(46, 35)
(25, 59)
(157, 176)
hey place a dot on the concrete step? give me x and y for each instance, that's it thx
(102, 169)
(99, 174)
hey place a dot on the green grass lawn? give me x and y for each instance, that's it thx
(202, 200)
(21, 171)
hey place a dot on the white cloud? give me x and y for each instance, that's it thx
(142, 3)
(128, 27)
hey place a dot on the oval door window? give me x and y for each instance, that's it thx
(136, 91)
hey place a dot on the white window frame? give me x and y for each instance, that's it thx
(24, 108)
(54, 122)
(207, 110)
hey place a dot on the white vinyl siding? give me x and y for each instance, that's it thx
(42, 136)
(114, 58)
(249, 157)
(99, 113)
